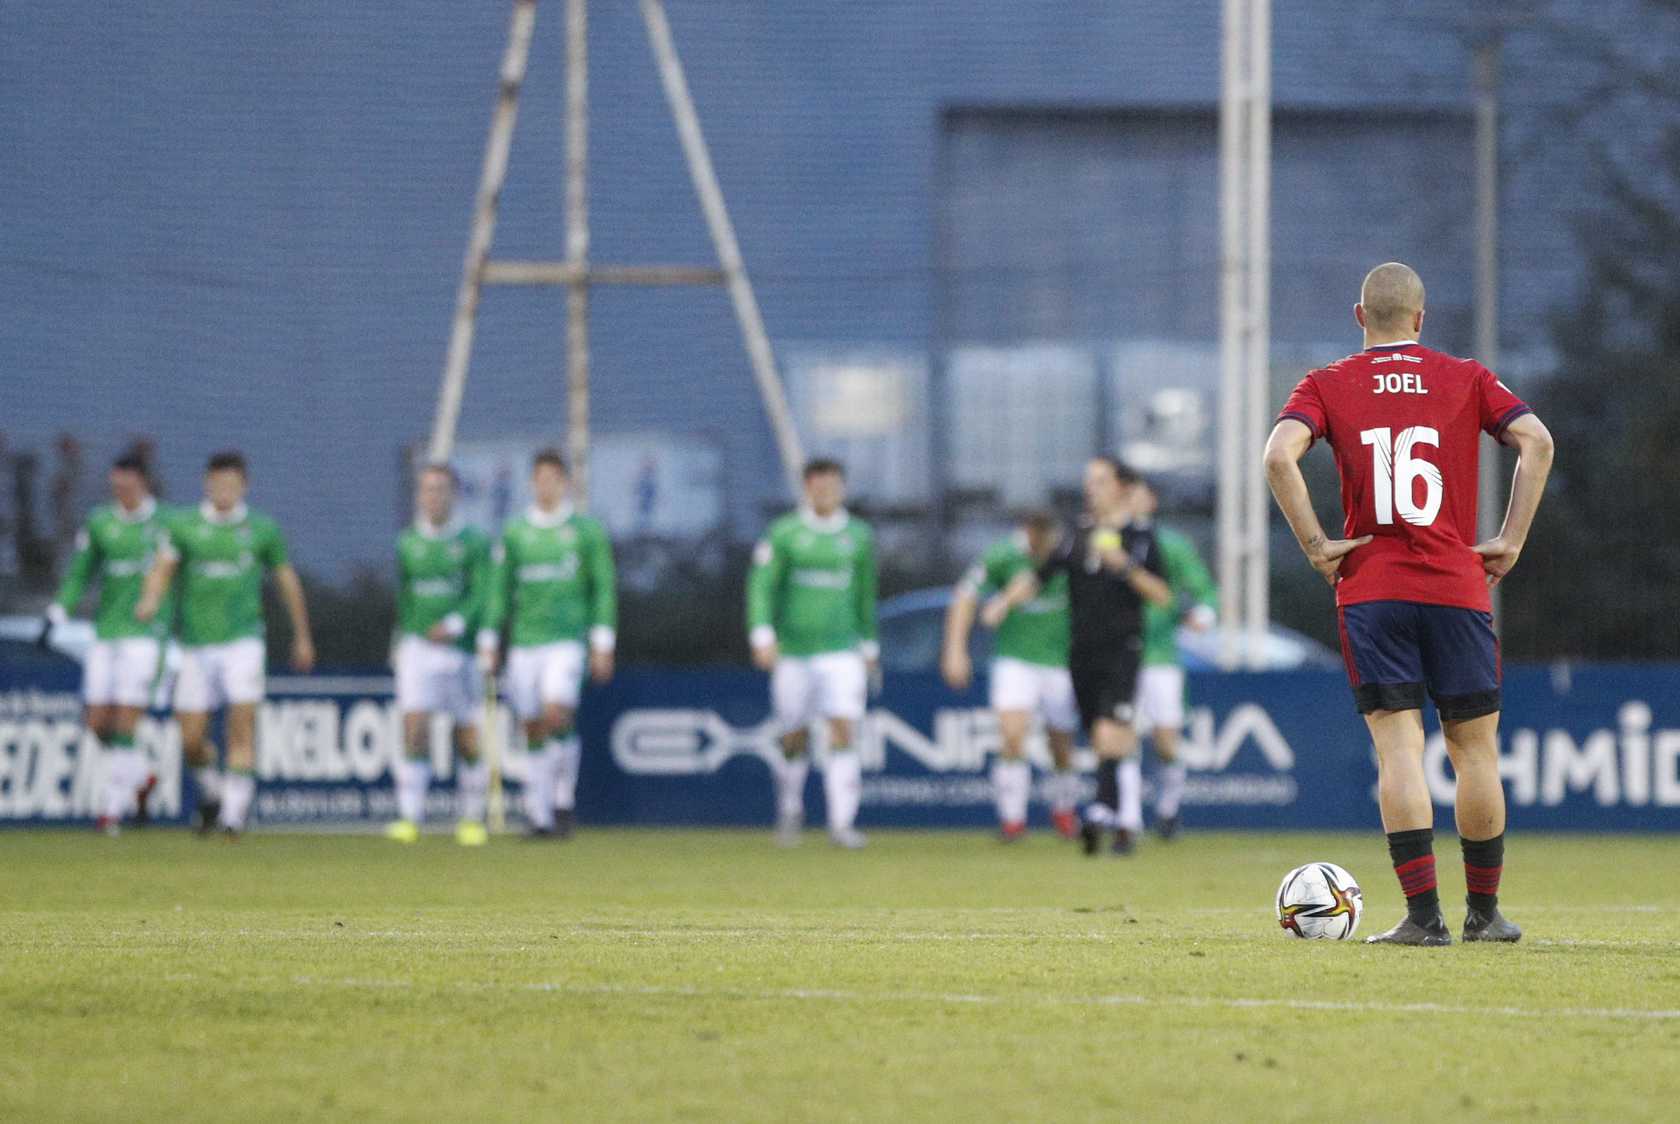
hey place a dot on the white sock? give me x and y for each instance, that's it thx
(472, 782)
(1098, 813)
(1000, 785)
(842, 785)
(1012, 785)
(414, 776)
(1064, 790)
(238, 789)
(125, 772)
(1131, 795)
(540, 770)
(1170, 779)
(209, 781)
(790, 785)
(566, 776)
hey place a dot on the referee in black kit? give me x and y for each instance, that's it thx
(1113, 567)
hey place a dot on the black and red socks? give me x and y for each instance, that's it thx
(1413, 855)
(1108, 785)
(1484, 861)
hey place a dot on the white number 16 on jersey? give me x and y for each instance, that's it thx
(1396, 471)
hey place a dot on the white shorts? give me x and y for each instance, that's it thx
(1160, 698)
(544, 675)
(121, 672)
(1045, 691)
(436, 679)
(806, 688)
(217, 675)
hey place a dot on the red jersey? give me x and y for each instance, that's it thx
(1405, 423)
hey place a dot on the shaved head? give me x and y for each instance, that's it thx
(1391, 296)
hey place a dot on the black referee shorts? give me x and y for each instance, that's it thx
(1105, 686)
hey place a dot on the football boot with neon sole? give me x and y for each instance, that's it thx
(403, 831)
(471, 833)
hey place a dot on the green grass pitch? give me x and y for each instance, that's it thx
(685, 975)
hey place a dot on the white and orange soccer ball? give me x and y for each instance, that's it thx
(1319, 901)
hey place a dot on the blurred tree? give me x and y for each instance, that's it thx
(1601, 578)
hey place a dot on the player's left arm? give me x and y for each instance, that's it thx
(1145, 577)
(603, 608)
(165, 562)
(1025, 585)
(954, 663)
(863, 589)
(1533, 442)
(286, 580)
(82, 566)
(470, 608)
(1188, 575)
(1289, 442)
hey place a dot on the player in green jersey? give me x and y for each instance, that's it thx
(1029, 676)
(220, 550)
(443, 571)
(811, 622)
(1161, 695)
(553, 587)
(115, 549)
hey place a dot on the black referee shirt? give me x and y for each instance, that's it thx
(1105, 612)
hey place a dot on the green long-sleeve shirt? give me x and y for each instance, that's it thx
(812, 584)
(1191, 586)
(443, 575)
(552, 579)
(116, 548)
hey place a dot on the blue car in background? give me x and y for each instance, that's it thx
(912, 629)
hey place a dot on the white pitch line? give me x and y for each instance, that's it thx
(1183, 1002)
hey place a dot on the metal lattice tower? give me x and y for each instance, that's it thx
(577, 272)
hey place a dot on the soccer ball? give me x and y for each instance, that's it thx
(1319, 901)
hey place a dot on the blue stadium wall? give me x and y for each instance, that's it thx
(236, 224)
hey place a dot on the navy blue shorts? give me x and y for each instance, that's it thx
(1397, 651)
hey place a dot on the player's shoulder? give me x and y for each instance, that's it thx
(1170, 539)
(261, 522)
(1444, 362)
(588, 525)
(1007, 551)
(1338, 371)
(474, 538)
(178, 514)
(860, 528)
(782, 526)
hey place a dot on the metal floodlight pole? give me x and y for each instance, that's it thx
(1258, 325)
(491, 177)
(1489, 488)
(700, 170)
(577, 248)
(1231, 291)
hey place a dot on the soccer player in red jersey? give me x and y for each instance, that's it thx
(1405, 424)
